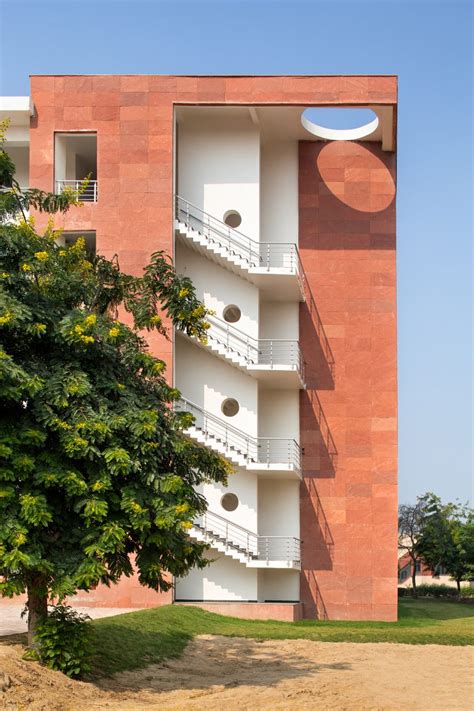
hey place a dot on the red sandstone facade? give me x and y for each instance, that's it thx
(347, 246)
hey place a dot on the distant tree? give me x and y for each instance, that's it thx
(95, 473)
(447, 538)
(410, 523)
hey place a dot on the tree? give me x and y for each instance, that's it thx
(410, 523)
(447, 538)
(95, 474)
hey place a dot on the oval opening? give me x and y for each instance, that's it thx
(232, 218)
(339, 124)
(232, 313)
(230, 407)
(229, 502)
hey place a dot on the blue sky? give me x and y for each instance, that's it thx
(429, 45)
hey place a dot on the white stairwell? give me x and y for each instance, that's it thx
(251, 354)
(253, 454)
(246, 547)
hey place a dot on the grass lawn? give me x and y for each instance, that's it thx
(136, 639)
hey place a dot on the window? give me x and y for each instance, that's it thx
(230, 407)
(229, 502)
(75, 159)
(232, 218)
(232, 313)
(89, 238)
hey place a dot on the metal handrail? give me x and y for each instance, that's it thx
(267, 255)
(263, 351)
(88, 193)
(259, 450)
(254, 546)
(256, 254)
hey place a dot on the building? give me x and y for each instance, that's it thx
(288, 231)
(424, 574)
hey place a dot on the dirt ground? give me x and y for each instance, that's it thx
(218, 673)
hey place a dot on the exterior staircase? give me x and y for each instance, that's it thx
(253, 454)
(250, 354)
(249, 259)
(246, 547)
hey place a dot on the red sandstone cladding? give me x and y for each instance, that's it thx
(350, 562)
(347, 247)
(285, 612)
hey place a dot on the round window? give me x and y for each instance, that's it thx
(229, 502)
(232, 218)
(232, 313)
(230, 407)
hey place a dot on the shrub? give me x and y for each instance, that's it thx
(467, 592)
(434, 591)
(63, 641)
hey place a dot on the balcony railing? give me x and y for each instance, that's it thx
(260, 450)
(88, 194)
(255, 547)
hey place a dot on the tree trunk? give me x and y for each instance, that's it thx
(37, 609)
(413, 578)
(458, 585)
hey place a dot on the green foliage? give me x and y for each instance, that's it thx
(447, 537)
(95, 472)
(467, 592)
(437, 591)
(63, 641)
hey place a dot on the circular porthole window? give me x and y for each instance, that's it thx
(232, 218)
(232, 313)
(229, 502)
(230, 407)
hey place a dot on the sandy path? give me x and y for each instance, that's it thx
(218, 673)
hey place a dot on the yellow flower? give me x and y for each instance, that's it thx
(62, 252)
(186, 525)
(87, 339)
(86, 264)
(77, 330)
(121, 386)
(6, 318)
(183, 293)
(114, 332)
(4, 275)
(155, 319)
(26, 267)
(182, 508)
(42, 256)
(39, 327)
(90, 320)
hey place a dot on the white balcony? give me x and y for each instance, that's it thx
(87, 194)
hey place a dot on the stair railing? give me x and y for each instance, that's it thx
(259, 450)
(250, 544)
(267, 255)
(263, 351)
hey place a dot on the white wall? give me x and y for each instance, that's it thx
(281, 585)
(225, 579)
(279, 414)
(279, 319)
(20, 155)
(208, 381)
(219, 169)
(279, 192)
(245, 486)
(218, 288)
(278, 507)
